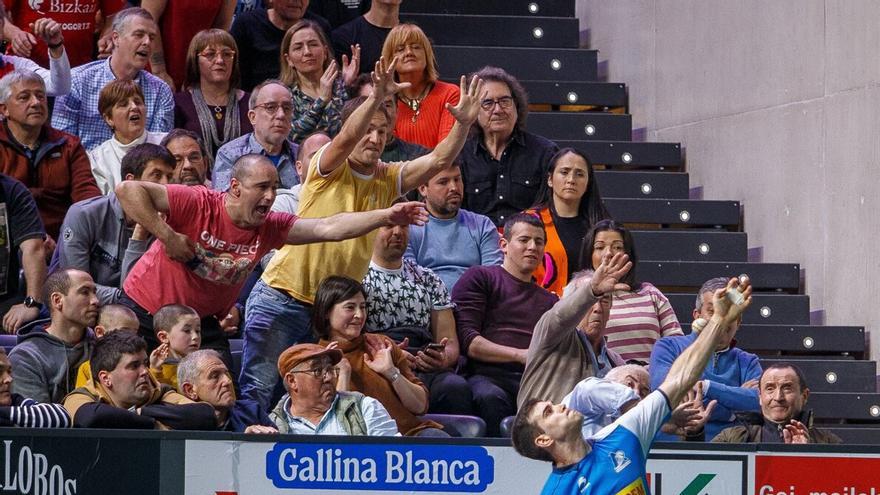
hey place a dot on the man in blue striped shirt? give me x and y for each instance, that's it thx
(16, 410)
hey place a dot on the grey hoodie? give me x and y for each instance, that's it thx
(44, 366)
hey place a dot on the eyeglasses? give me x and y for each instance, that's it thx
(272, 107)
(488, 104)
(320, 373)
(192, 157)
(212, 54)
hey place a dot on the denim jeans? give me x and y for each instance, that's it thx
(274, 321)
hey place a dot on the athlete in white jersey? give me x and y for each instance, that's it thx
(613, 461)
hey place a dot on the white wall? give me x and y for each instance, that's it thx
(778, 106)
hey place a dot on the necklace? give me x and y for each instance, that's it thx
(218, 112)
(415, 104)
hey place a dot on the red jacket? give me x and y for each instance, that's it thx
(60, 175)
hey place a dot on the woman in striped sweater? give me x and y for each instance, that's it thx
(640, 316)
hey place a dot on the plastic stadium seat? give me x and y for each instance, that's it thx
(506, 426)
(459, 425)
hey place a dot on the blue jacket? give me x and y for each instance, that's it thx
(726, 372)
(244, 413)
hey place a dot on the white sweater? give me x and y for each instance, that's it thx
(107, 159)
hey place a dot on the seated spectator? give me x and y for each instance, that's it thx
(367, 31)
(732, 380)
(288, 199)
(259, 33)
(77, 112)
(422, 116)
(345, 175)
(569, 204)
(79, 34)
(122, 105)
(111, 317)
(179, 332)
(552, 432)
(409, 303)
(97, 237)
(209, 242)
(315, 80)
(51, 163)
(568, 343)
(179, 23)
(190, 157)
(496, 310)
(639, 316)
(502, 164)
(314, 406)
(202, 377)
(49, 351)
(123, 393)
(17, 410)
(454, 239)
(395, 150)
(271, 128)
(211, 91)
(23, 251)
(372, 364)
(57, 78)
(783, 393)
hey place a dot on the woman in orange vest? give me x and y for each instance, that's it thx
(569, 204)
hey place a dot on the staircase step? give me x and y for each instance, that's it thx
(673, 275)
(486, 30)
(766, 309)
(804, 339)
(557, 8)
(581, 125)
(684, 212)
(540, 64)
(633, 184)
(627, 153)
(835, 375)
(688, 245)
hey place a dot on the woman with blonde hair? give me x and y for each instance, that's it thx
(422, 117)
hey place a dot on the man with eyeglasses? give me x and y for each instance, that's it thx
(271, 112)
(312, 406)
(502, 165)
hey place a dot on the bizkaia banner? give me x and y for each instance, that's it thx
(819, 474)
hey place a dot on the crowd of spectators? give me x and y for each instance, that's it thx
(200, 178)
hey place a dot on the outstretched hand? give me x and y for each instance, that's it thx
(607, 276)
(383, 80)
(468, 107)
(411, 212)
(724, 308)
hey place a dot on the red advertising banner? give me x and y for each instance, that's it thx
(781, 474)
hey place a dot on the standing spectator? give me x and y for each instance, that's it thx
(25, 238)
(79, 18)
(17, 410)
(369, 31)
(271, 110)
(96, 233)
(49, 351)
(497, 308)
(178, 23)
(51, 163)
(569, 204)
(731, 378)
(314, 78)
(210, 102)
(345, 175)
(259, 32)
(372, 364)
(639, 316)
(190, 157)
(502, 164)
(77, 113)
(409, 303)
(454, 239)
(122, 105)
(422, 115)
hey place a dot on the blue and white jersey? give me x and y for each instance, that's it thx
(616, 463)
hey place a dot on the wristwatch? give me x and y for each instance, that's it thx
(30, 302)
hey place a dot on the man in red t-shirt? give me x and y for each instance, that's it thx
(77, 19)
(211, 241)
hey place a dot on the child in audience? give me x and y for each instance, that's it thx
(112, 317)
(179, 330)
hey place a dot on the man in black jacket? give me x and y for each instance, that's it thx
(123, 394)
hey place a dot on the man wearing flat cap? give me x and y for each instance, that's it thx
(312, 406)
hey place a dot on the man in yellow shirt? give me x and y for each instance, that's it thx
(345, 175)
